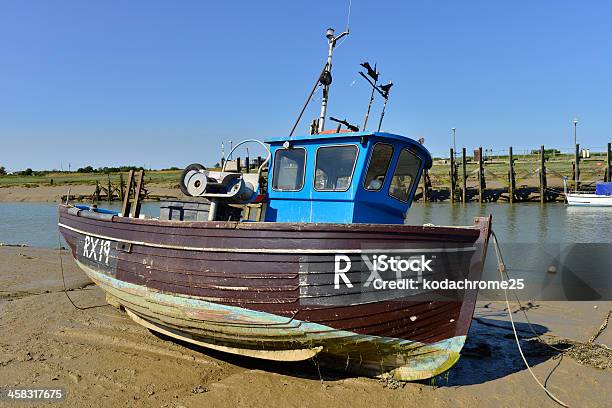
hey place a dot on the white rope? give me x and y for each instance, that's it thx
(502, 270)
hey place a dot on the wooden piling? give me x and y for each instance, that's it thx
(110, 190)
(609, 163)
(96, 194)
(121, 187)
(511, 176)
(247, 164)
(424, 186)
(464, 176)
(577, 167)
(238, 165)
(542, 176)
(135, 210)
(453, 175)
(481, 176)
(125, 208)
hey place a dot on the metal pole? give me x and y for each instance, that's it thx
(453, 176)
(464, 175)
(330, 49)
(575, 139)
(576, 167)
(365, 122)
(382, 114)
(542, 175)
(481, 182)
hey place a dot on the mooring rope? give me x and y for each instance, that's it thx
(59, 252)
(502, 271)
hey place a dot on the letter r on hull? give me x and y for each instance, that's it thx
(341, 272)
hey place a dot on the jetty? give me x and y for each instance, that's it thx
(504, 176)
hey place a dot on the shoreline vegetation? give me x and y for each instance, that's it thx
(50, 186)
(487, 176)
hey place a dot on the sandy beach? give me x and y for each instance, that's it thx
(103, 359)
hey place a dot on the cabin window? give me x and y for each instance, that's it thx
(378, 166)
(405, 174)
(289, 165)
(334, 167)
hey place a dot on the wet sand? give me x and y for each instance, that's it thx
(103, 359)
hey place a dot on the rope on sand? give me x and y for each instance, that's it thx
(59, 252)
(602, 327)
(502, 271)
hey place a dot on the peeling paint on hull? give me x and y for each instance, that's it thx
(251, 303)
(372, 355)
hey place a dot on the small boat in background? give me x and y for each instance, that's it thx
(601, 198)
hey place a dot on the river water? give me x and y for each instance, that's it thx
(576, 242)
(35, 224)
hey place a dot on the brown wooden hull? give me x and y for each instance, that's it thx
(247, 286)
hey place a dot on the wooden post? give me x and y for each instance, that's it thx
(259, 161)
(609, 163)
(121, 186)
(110, 190)
(577, 168)
(135, 213)
(453, 175)
(238, 166)
(125, 208)
(424, 186)
(96, 194)
(511, 176)
(481, 177)
(464, 181)
(247, 164)
(542, 176)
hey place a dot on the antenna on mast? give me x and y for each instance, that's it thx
(385, 94)
(372, 73)
(383, 90)
(326, 78)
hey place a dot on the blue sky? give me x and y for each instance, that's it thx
(162, 83)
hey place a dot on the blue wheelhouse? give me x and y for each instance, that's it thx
(350, 177)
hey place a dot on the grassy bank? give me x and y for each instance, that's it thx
(496, 169)
(73, 178)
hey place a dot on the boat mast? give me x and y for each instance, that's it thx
(326, 77)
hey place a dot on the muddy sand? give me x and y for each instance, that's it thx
(103, 359)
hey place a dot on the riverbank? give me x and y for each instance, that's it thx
(103, 359)
(53, 193)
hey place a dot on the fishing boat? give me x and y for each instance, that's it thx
(601, 198)
(287, 266)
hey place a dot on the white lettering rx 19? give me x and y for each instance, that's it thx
(97, 249)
